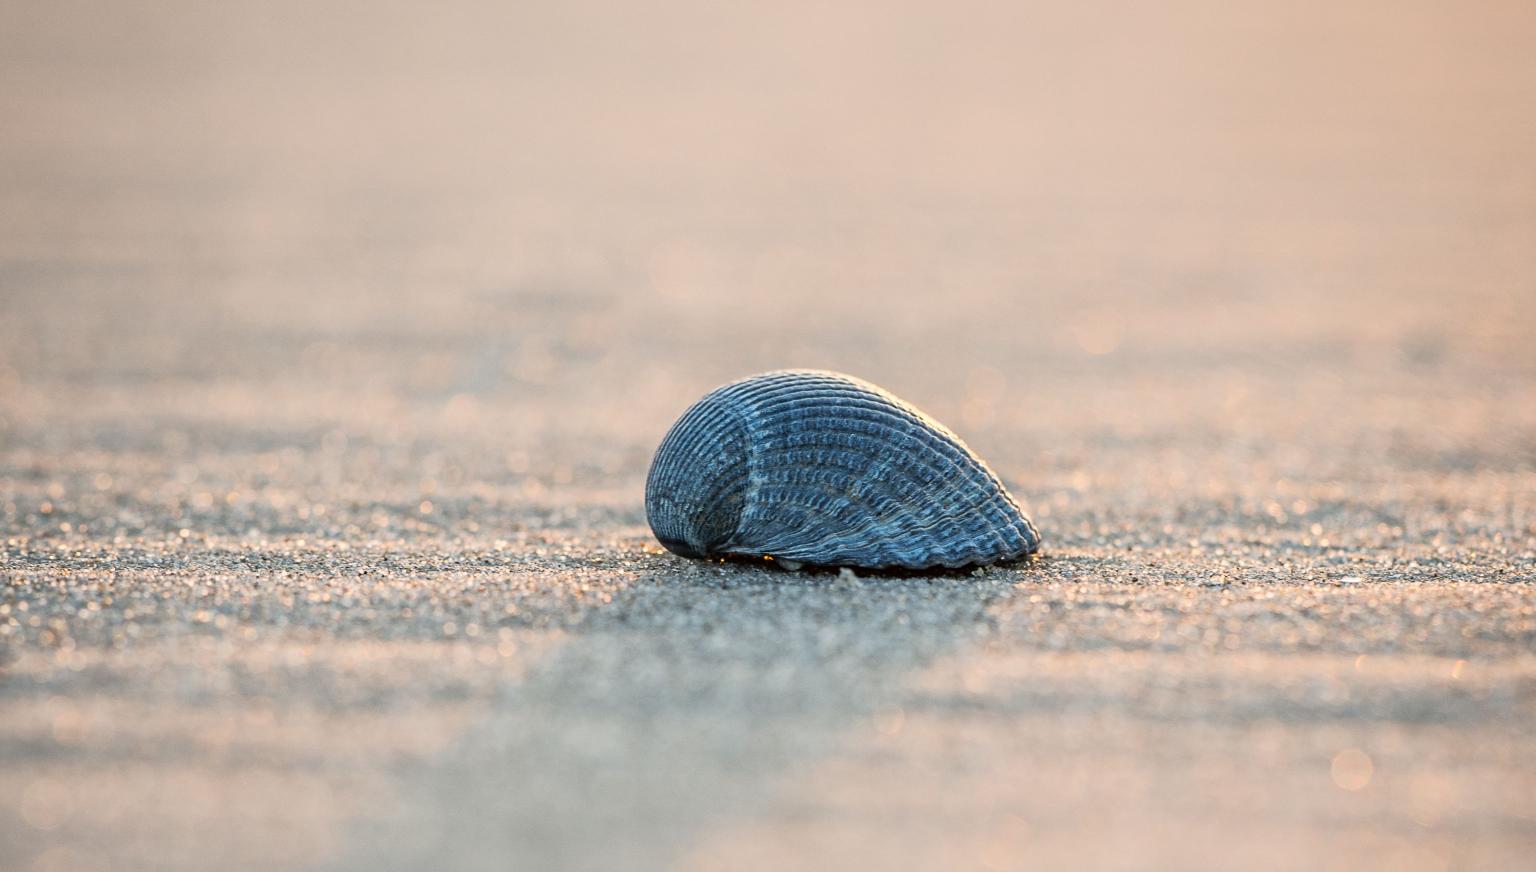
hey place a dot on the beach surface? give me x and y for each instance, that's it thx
(334, 345)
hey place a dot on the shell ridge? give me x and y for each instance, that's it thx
(706, 434)
(955, 463)
(815, 451)
(903, 516)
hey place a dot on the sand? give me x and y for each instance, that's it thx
(333, 350)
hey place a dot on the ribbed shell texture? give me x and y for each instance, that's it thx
(826, 469)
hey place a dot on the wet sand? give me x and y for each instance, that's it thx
(334, 348)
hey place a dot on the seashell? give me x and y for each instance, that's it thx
(813, 467)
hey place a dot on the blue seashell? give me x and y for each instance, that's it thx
(815, 467)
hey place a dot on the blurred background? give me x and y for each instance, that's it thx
(289, 279)
(1001, 208)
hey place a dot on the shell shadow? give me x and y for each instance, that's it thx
(682, 705)
(1035, 561)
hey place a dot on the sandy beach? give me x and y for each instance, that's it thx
(334, 346)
